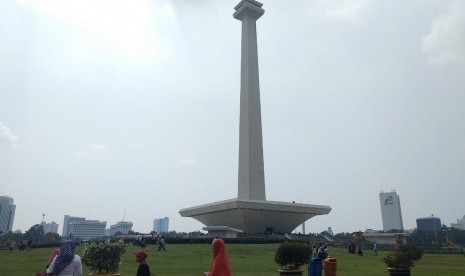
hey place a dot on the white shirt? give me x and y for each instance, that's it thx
(73, 269)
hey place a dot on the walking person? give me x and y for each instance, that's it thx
(375, 249)
(220, 265)
(12, 245)
(161, 244)
(143, 269)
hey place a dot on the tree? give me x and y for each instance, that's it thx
(35, 233)
(6, 238)
(52, 237)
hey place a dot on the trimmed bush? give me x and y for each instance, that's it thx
(291, 255)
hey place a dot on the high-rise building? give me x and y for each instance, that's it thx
(87, 229)
(161, 225)
(122, 227)
(429, 224)
(7, 213)
(51, 227)
(460, 224)
(67, 223)
(390, 211)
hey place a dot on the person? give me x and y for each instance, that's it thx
(66, 263)
(161, 244)
(318, 249)
(22, 247)
(47, 265)
(143, 269)
(352, 248)
(375, 249)
(55, 252)
(360, 252)
(322, 252)
(220, 264)
(12, 245)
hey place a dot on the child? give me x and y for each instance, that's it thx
(143, 269)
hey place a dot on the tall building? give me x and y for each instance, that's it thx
(460, 224)
(51, 227)
(7, 213)
(87, 229)
(429, 223)
(390, 211)
(67, 222)
(161, 225)
(122, 227)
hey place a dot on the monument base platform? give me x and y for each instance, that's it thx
(255, 216)
(222, 231)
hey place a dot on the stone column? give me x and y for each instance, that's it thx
(251, 169)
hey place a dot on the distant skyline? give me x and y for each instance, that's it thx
(130, 109)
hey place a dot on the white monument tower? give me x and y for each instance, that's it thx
(250, 211)
(251, 175)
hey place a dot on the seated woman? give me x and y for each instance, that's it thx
(220, 264)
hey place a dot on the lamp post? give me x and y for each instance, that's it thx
(42, 225)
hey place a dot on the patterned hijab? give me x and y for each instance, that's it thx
(220, 265)
(65, 258)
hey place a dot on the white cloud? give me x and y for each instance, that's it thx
(122, 26)
(92, 149)
(445, 44)
(189, 161)
(98, 148)
(168, 11)
(79, 153)
(5, 132)
(346, 9)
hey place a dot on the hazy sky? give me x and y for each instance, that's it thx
(130, 109)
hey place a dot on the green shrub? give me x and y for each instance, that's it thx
(403, 256)
(104, 257)
(290, 255)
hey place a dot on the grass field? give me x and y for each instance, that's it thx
(246, 260)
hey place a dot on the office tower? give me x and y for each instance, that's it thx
(122, 227)
(390, 211)
(7, 213)
(161, 225)
(67, 223)
(429, 224)
(460, 224)
(87, 229)
(51, 227)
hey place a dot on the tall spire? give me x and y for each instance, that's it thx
(250, 212)
(251, 168)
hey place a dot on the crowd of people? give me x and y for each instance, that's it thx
(65, 261)
(25, 245)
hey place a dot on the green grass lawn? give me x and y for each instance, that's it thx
(246, 260)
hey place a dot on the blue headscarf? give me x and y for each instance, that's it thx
(65, 258)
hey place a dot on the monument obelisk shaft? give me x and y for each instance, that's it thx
(251, 169)
(250, 212)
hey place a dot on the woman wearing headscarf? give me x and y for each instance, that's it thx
(220, 264)
(66, 263)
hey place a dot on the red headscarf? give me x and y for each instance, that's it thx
(220, 265)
